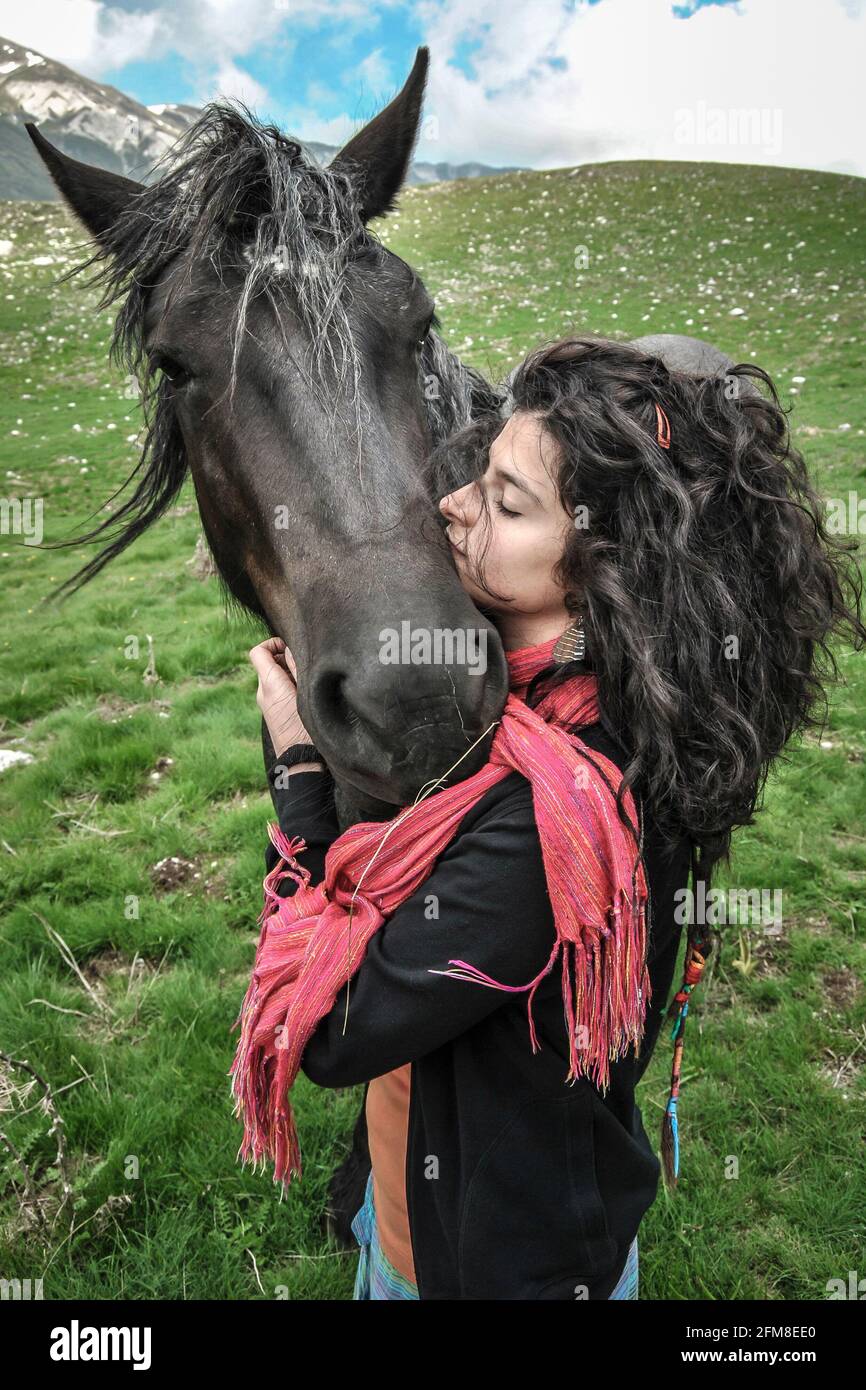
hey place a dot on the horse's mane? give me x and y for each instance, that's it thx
(246, 196)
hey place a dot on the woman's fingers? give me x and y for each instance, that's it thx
(273, 653)
(277, 694)
(262, 659)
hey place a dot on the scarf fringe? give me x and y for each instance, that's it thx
(258, 1084)
(299, 872)
(605, 1010)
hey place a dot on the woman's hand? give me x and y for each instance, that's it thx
(277, 695)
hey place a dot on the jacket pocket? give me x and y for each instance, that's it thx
(533, 1223)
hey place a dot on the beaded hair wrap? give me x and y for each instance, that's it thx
(698, 947)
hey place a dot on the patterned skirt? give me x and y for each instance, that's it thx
(377, 1278)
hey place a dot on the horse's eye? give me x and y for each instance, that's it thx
(172, 370)
(432, 322)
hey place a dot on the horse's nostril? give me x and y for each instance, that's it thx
(333, 707)
(332, 703)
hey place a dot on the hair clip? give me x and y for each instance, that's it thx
(664, 429)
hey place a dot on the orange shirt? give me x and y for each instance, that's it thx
(387, 1113)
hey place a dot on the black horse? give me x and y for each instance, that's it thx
(292, 364)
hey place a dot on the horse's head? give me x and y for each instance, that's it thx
(284, 356)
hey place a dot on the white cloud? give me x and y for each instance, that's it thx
(229, 80)
(770, 81)
(765, 81)
(335, 131)
(94, 36)
(374, 72)
(83, 34)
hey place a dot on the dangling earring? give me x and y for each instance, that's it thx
(571, 646)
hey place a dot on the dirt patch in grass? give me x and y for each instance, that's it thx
(753, 953)
(830, 741)
(111, 709)
(769, 956)
(110, 964)
(100, 976)
(817, 923)
(174, 874)
(105, 965)
(842, 1065)
(842, 987)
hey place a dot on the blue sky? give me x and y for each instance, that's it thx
(534, 82)
(323, 57)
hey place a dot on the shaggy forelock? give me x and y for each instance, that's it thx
(244, 195)
(247, 198)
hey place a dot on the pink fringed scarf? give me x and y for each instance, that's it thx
(313, 942)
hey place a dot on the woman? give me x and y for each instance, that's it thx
(653, 555)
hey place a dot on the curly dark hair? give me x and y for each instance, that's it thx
(709, 585)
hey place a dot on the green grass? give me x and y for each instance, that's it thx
(138, 1061)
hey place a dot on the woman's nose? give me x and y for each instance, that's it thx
(446, 506)
(453, 505)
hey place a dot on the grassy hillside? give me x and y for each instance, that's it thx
(122, 973)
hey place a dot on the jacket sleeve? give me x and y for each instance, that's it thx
(304, 805)
(485, 902)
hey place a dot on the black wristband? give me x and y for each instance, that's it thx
(298, 753)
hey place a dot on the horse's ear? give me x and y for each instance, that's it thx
(378, 156)
(96, 196)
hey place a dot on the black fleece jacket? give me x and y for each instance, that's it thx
(518, 1186)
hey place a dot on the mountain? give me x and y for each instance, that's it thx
(85, 119)
(420, 170)
(97, 123)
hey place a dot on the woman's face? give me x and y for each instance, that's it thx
(528, 525)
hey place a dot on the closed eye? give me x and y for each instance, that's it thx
(500, 505)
